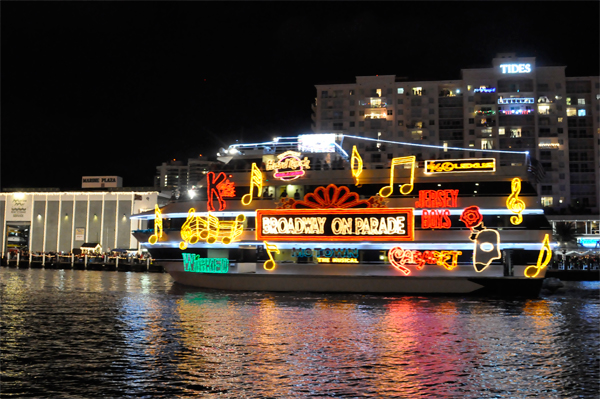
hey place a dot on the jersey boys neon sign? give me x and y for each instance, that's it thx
(436, 218)
(377, 224)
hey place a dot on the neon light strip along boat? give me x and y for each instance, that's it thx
(440, 226)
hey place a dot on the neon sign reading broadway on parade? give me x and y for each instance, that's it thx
(377, 224)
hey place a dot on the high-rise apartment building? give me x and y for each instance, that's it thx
(513, 105)
(174, 175)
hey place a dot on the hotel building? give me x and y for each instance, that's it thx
(512, 105)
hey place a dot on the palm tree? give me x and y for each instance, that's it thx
(564, 233)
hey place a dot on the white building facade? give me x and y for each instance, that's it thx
(60, 221)
(513, 105)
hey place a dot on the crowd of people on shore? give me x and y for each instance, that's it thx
(66, 257)
(576, 262)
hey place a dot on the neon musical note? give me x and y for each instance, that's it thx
(405, 188)
(256, 180)
(515, 204)
(533, 271)
(270, 264)
(235, 228)
(190, 231)
(211, 229)
(158, 226)
(356, 163)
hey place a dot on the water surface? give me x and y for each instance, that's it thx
(73, 334)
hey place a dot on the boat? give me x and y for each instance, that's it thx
(307, 213)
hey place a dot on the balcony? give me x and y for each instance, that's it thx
(373, 102)
(485, 124)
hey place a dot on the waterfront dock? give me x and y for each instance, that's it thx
(82, 262)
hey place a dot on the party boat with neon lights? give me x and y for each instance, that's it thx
(324, 213)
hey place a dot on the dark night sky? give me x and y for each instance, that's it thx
(117, 88)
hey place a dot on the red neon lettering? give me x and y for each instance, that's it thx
(218, 187)
(399, 258)
(436, 219)
(437, 199)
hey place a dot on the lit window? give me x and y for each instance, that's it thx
(546, 201)
(571, 111)
(471, 143)
(568, 100)
(544, 109)
(378, 91)
(487, 131)
(501, 131)
(581, 112)
(581, 101)
(515, 133)
(469, 87)
(417, 134)
(487, 144)
(400, 90)
(560, 119)
(417, 91)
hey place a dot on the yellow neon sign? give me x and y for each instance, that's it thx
(515, 204)
(158, 226)
(405, 188)
(543, 259)
(210, 229)
(356, 164)
(256, 180)
(270, 264)
(460, 165)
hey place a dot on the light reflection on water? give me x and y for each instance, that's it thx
(91, 334)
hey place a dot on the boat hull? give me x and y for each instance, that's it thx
(374, 284)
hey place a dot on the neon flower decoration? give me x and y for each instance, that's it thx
(399, 258)
(218, 187)
(331, 196)
(405, 189)
(289, 160)
(487, 241)
(514, 203)
(210, 229)
(158, 226)
(256, 180)
(356, 164)
(271, 248)
(543, 259)
(471, 216)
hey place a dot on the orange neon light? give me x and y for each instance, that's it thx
(471, 216)
(399, 258)
(218, 186)
(386, 191)
(210, 229)
(256, 180)
(270, 264)
(331, 196)
(374, 224)
(356, 163)
(514, 203)
(158, 226)
(543, 259)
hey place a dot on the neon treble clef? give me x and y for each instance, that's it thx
(514, 203)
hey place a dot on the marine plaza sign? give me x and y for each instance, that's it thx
(375, 224)
(101, 181)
